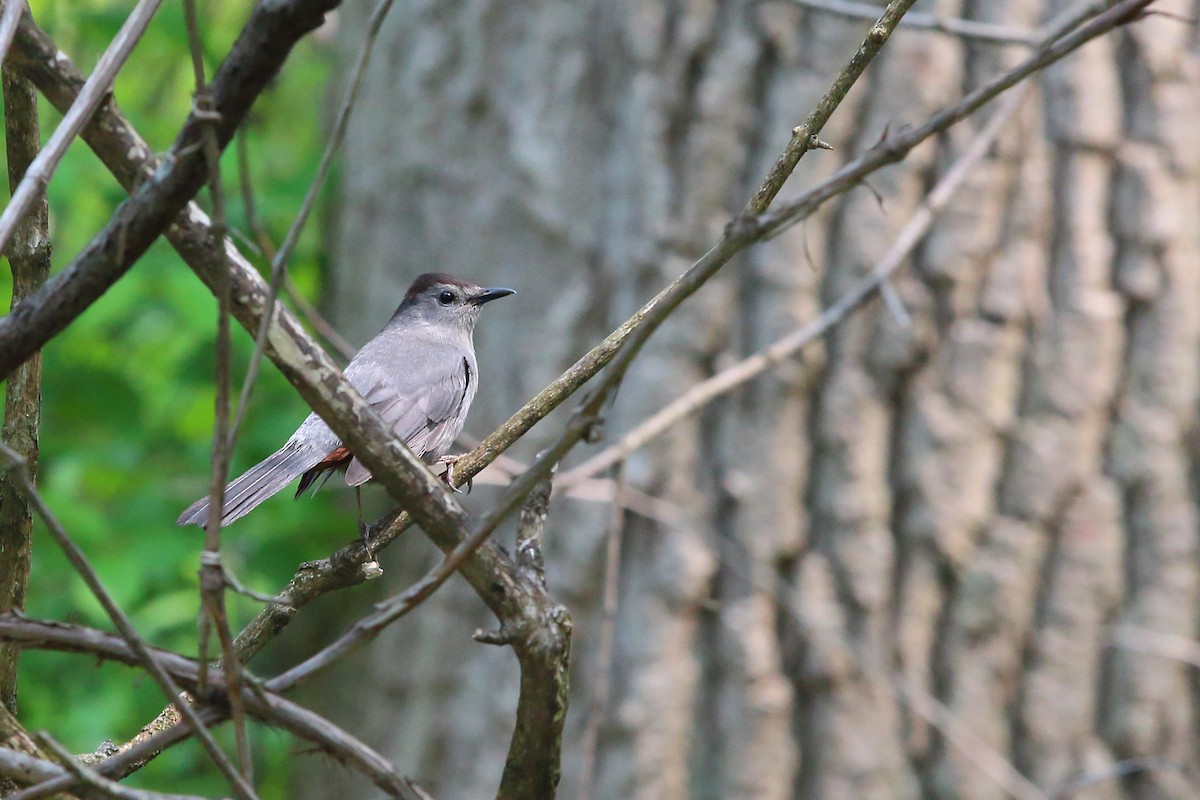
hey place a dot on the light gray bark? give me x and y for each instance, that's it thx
(969, 503)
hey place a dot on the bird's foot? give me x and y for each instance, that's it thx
(370, 568)
(448, 462)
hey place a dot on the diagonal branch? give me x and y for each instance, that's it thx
(804, 136)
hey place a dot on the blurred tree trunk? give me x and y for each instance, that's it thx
(967, 505)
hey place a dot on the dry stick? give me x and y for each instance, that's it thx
(770, 356)
(804, 136)
(307, 310)
(94, 91)
(968, 29)
(279, 262)
(17, 469)
(604, 658)
(272, 709)
(29, 256)
(212, 575)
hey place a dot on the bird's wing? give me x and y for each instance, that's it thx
(427, 415)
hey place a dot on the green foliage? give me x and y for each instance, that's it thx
(128, 396)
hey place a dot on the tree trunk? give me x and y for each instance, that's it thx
(964, 507)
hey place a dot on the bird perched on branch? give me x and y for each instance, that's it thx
(419, 374)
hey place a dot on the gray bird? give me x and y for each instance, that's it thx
(419, 374)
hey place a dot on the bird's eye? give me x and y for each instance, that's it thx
(446, 298)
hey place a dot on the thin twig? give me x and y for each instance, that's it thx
(773, 354)
(279, 261)
(94, 91)
(602, 671)
(968, 29)
(16, 468)
(804, 136)
(212, 572)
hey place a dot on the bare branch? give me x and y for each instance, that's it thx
(125, 154)
(773, 354)
(967, 29)
(804, 136)
(17, 470)
(29, 256)
(94, 91)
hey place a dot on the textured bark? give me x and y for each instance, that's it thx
(969, 503)
(29, 257)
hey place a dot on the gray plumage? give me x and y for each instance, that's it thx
(419, 374)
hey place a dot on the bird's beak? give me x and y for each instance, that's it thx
(488, 295)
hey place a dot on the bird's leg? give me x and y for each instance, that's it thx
(370, 568)
(363, 529)
(448, 462)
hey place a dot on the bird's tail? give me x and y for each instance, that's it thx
(256, 484)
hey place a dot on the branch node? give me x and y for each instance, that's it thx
(818, 144)
(500, 637)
